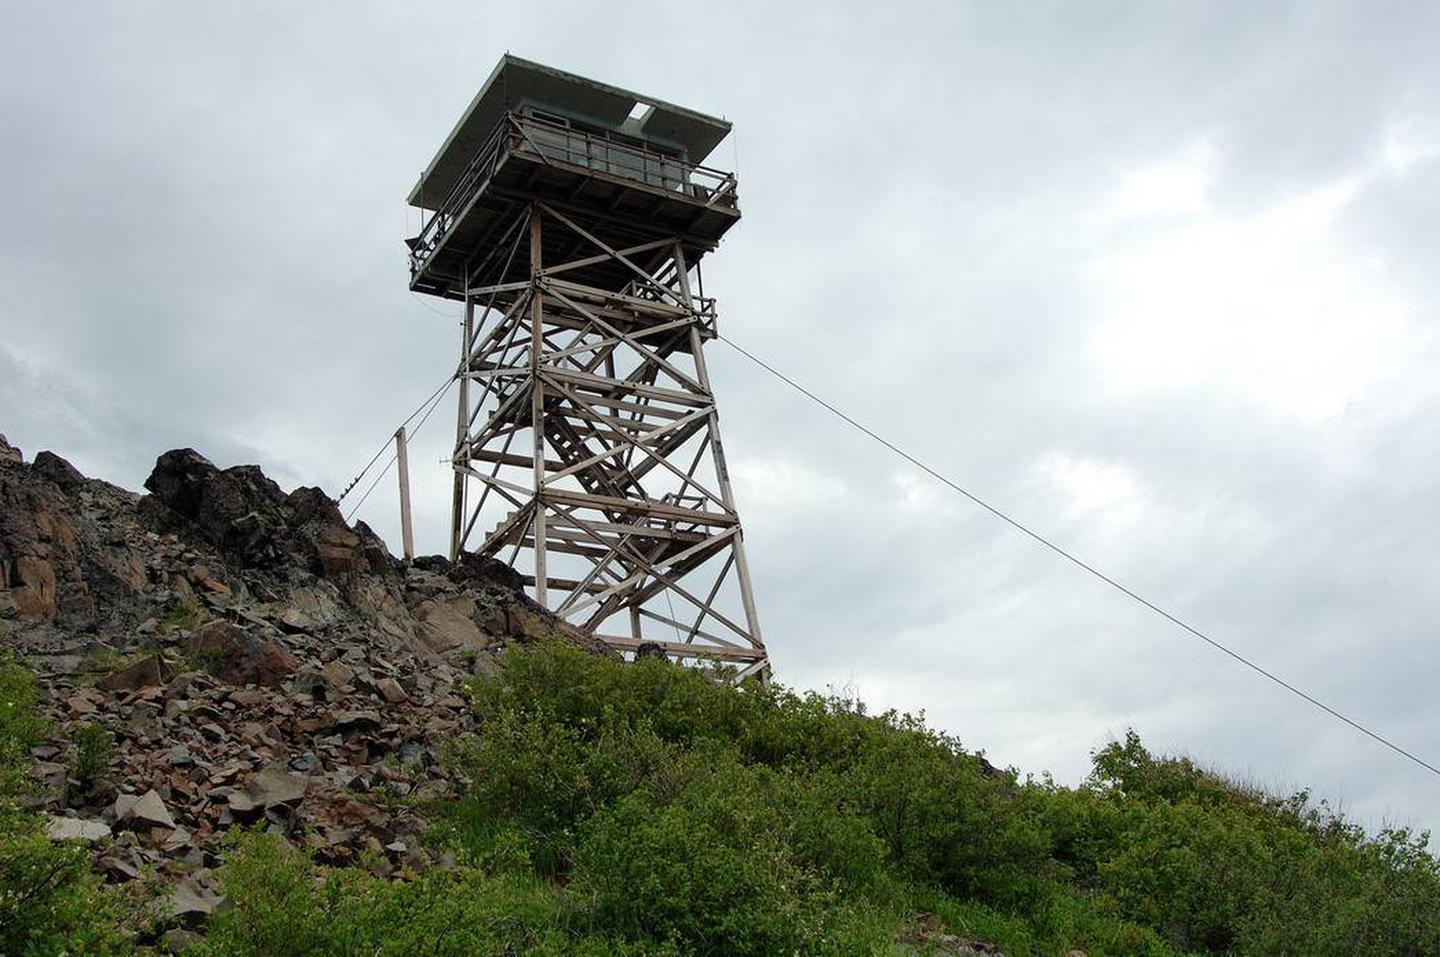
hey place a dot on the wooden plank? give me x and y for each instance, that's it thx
(686, 649)
(647, 508)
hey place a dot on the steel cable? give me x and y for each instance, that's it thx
(1124, 590)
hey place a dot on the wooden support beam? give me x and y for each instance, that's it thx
(592, 427)
(402, 463)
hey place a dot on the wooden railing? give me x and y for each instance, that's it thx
(553, 143)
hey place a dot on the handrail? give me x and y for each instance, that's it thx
(558, 142)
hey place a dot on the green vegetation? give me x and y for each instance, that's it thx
(49, 902)
(643, 810)
(94, 747)
(179, 617)
(282, 910)
(756, 820)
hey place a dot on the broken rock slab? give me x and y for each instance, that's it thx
(146, 672)
(391, 691)
(447, 625)
(59, 471)
(76, 829)
(192, 904)
(238, 657)
(147, 809)
(269, 788)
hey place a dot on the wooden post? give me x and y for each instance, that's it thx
(537, 403)
(462, 432)
(407, 532)
(722, 472)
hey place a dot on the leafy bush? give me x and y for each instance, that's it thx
(94, 747)
(743, 820)
(1222, 867)
(49, 902)
(283, 905)
(756, 820)
(644, 810)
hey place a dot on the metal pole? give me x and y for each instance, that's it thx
(407, 532)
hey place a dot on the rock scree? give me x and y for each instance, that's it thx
(247, 657)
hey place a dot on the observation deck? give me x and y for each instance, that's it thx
(624, 168)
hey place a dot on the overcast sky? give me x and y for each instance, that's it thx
(1158, 279)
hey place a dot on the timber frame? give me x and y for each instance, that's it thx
(570, 218)
(587, 425)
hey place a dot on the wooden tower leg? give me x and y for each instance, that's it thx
(461, 457)
(717, 451)
(617, 509)
(537, 405)
(402, 464)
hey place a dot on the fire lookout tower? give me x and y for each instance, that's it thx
(571, 217)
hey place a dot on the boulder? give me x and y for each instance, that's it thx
(59, 471)
(191, 904)
(474, 569)
(267, 789)
(147, 672)
(391, 691)
(338, 552)
(237, 509)
(149, 809)
(525, 623)
(76, 829)
(357, 720)
(338, 674)
(247, 515)
(313, 682)
(293, 621)
(238, 657)
(447, 625)
(9, 453)
(177, 940)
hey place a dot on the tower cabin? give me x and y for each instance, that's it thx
(627, 166)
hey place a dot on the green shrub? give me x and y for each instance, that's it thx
(94, 747)
(756, 820)
(644, 810)
(1221, 867)
(283, 905)
(742, 860)
(50, 904)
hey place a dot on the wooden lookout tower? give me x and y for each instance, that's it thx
(571, 218)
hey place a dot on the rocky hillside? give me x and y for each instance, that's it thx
(225, 716)
(221, 651)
